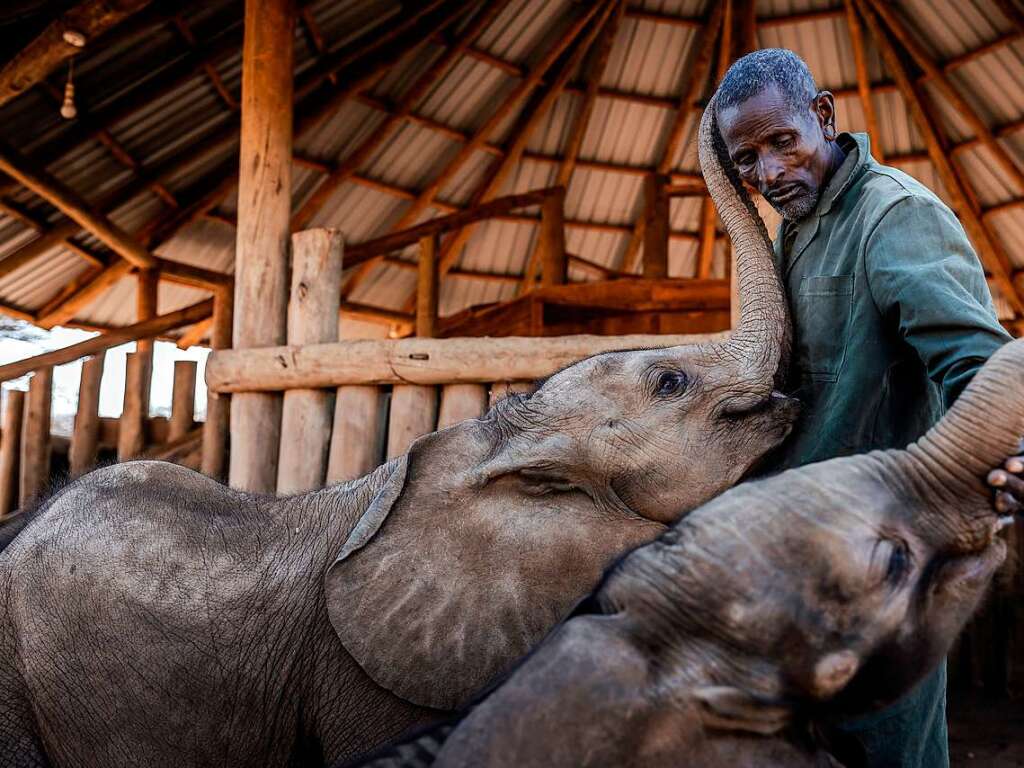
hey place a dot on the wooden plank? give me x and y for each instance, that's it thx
(551, 240)
(35, 437)
(415, 361)
(261, 246)
(131, 428)
(72, 205)
(47, 51)
(863, 79)
(427, 287)
(183, 400)
(655, 253)
(10, 450)
(357, 437)
(413, 413)
(218, 405)
(85, 438)
(312, 318)
(144, 330)
(460, 402)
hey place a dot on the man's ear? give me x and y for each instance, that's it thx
(825, 108)
(732, 709)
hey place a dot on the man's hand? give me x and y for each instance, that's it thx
(1008, 483)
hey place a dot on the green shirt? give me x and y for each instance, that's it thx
(891, 312)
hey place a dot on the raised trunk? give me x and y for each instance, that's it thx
(762, 338)
(981, 430)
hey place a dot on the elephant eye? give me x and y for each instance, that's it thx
(670, 383)
(899, 563)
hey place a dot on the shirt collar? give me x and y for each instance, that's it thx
(857, 147)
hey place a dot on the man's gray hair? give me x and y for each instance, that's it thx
(756, 71)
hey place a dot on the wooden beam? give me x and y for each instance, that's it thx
(52, 46)
(218, 406)
(863, 79)
(35, 437)
(416, 361)
(706, 249)
(427, 287)
(991, 256)
(74, 207)
(10, 450)
(183, 400)
(261, 248)
(551, 240)
(952, 95)
(698, 72)
(357, 438)
(144, 330)
(341, 172)
(413, 413)
(85, 438)
(377, 315)
(195, 334)
(642, 14)
(656, 204)
(799, 17)
(65, 306)
(131, 427)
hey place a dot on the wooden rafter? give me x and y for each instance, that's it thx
(946, 88)
(694, 87)
(570, 157)
(863, 79)
(991, 254)
(207, 66)
(50, 49)
(395, 117)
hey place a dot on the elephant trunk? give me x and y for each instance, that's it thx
(977, 434)
(761, 341)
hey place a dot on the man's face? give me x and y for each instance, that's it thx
(780, 150)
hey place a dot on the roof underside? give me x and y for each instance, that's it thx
(178, 135)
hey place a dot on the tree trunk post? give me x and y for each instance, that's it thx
(218, 404)
(427, 287)
(35, 436)
(183, 400)
(357, 438)
(554, 264)
(10, 450)
(655, 258)
(131, 438)
(86, 434)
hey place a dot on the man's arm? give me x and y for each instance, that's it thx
(924, 274)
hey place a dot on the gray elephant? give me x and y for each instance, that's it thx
(151, 616)
(824, 592)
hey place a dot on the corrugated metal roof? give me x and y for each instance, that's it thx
(649, 58)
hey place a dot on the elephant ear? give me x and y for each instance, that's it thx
(439, 589)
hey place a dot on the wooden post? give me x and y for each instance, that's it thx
(413, 413)
(218, 404)
(131, 437)
(655, 259)
(183, 400)
(460, 402)
(35, 437)
(264, 210)
(357, 439)
(85, 437)
(554, 264)
(312, 319)
(863, 79)
(427, 286)
(10, 450)
(706, 250)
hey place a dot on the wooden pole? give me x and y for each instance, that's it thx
(261, 248)
(312, 319)
(218, 405)
(413, 413)
(10, 450)
(706, 249)
(551, 240)
(863, 79)
(35, 437)
(131, 433)
(146, 309)
(427, 287)
(85, 438)
(460, 402)
(357, 438)
(183, 400)
(655, 226)
(143, 330)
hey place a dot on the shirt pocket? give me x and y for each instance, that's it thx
(824, 305)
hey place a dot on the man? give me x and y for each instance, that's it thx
(891, 313)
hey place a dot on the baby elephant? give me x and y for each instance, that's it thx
(826, 591)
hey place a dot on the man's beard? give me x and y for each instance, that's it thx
(798, 207)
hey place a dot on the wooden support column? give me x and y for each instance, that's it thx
(10, 450)
(427, 286)
(183, 400)
(264, 208)
(413, 413)
(460, 402)
(35, 437)
(706, 249)
(85, 437)
(551, 240)
(131, 433)
(312, 319)
(145, 309)
(357, 439)
(218, 404)
(863, 79)
(655, 257)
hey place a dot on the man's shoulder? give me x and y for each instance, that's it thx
(882, 186)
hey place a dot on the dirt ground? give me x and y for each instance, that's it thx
(986, 734)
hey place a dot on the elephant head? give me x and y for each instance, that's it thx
(496, 526)
(825, 591)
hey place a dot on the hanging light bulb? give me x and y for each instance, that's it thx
(68, 110)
